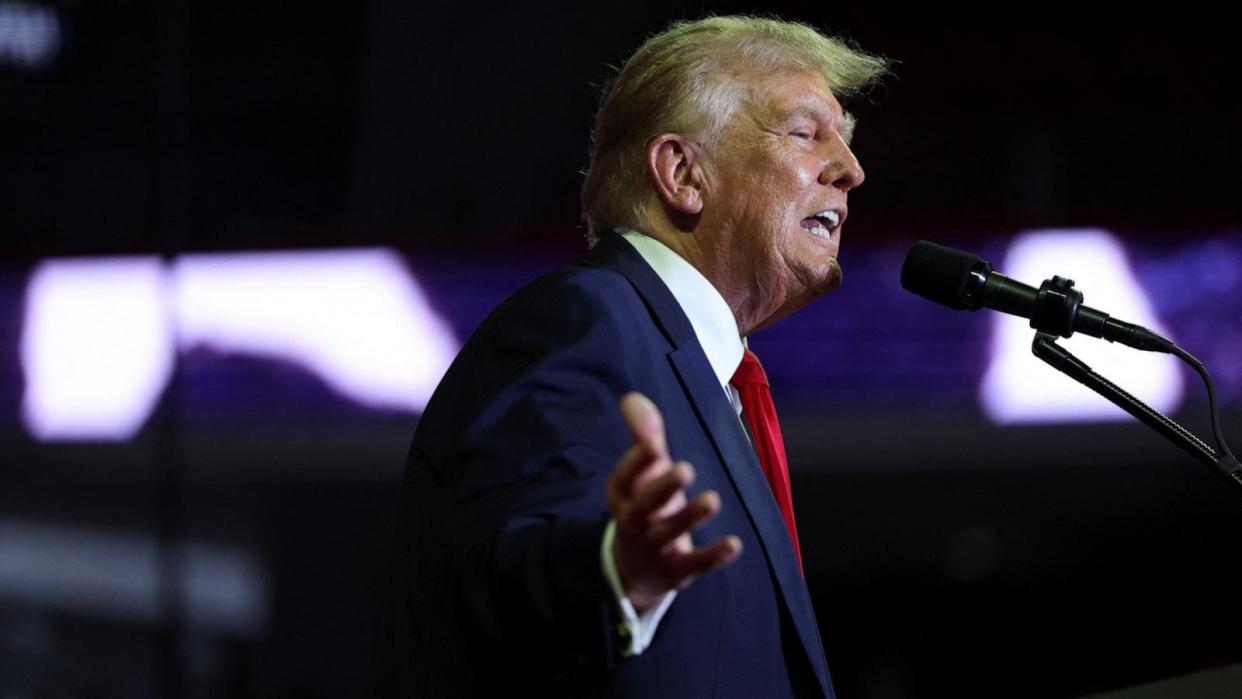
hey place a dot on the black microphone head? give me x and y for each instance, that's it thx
(940, 274)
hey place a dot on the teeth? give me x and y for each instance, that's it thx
(825, 222)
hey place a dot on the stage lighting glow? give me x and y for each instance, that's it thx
(1018, 388)
(356, 318)
(29, 35)
(96, 347)
(100, 335)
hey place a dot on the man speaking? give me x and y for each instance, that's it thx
(596, 501)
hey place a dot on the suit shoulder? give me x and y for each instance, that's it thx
(571, 300)
(590, 320)
(551, 360)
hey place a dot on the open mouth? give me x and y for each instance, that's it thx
(822, 224)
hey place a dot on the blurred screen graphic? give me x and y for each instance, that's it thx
(102, 337)
(1015, 388)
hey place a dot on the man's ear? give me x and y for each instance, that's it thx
(672, 163)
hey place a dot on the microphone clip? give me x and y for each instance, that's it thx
(1056, 307)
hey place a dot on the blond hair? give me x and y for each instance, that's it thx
(688, 80)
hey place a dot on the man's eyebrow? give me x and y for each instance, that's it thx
(801, 111)
(805, 111)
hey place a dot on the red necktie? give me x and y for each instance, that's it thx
(752, 384)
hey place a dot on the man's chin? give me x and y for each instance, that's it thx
(828, 280)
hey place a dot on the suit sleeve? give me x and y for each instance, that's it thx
(509, 468)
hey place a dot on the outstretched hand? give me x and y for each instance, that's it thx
(647, 498)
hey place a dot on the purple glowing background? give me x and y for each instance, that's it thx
(358, 319)
(1018, 388)
(100, 335)
(307, 336)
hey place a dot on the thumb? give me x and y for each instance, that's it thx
(644, 421)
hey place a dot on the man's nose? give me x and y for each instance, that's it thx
(843, 170)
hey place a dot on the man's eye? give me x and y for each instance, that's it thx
(802, 134)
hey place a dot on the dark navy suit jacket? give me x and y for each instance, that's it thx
(497, 588)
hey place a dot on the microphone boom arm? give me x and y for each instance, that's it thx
(1222, 463)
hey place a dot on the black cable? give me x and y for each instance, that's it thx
(1222, 446)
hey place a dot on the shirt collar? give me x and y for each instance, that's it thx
(713, 322)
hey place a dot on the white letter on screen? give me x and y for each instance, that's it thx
(1019, 388)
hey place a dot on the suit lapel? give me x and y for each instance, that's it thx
(725, 430)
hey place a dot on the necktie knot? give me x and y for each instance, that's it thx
(750, 371)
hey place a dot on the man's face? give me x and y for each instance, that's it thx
(775, 197)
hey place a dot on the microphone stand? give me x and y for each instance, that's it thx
(1056, 307)
(1223, 464)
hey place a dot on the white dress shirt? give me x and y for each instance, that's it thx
(716, 330)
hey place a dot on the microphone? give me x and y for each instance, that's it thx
(965, 282)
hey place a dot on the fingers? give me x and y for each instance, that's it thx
(647, 497)
(637, 465)
(684, 568)
(649, 500)
(652, 497)
(689, 518)
(658, 497)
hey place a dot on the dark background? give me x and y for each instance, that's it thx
(951, 557)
